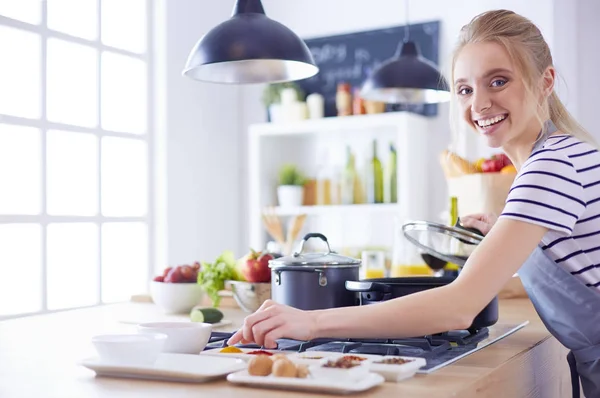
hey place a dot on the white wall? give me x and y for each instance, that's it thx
(587, 43)
(316, 18)
(200, 131)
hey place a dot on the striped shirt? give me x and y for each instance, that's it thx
(559, 187)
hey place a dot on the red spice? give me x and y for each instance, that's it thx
(353, 358)
(259, 352)
(342, 363)
(394, 361)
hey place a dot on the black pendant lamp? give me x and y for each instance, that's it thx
(250, 48)
(406, 78)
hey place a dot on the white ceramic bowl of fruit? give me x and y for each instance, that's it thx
(177, 291)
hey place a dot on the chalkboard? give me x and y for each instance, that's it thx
(351, 58)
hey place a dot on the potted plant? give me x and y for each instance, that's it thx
(291, 186)
(271, 98)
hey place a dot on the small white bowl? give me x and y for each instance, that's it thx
(176, 298)
(183, 337)
(350, 374)
(138, 349)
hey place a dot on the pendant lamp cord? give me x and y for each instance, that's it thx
(406, 21)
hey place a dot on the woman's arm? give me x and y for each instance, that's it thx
(488, 269)
(454, 306)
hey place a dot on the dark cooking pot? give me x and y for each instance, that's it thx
(377, 290)
(312, 281)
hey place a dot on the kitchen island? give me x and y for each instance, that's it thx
(39, 357)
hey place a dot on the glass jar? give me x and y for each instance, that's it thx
(406, 259)
(373, 264)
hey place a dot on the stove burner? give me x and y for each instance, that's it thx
(438, 349)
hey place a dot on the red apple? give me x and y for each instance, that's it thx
(166, 271)
(174, 276)
(187, 273)
(255, 268)
(159, 278)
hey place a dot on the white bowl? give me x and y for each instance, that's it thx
(176, 298)
(397, 372)
(183, 337)
(138, 349)
(350, 374)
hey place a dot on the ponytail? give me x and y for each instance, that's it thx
(565, 122)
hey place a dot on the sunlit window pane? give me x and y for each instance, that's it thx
(72, 83)
(124, 170)
(20, 268)
(20, 72)
(124, 24)
(124, 260)
(72, 265)
(72, 173)
(124, 93)
(29, 11)
(74, 17)
(20, 170)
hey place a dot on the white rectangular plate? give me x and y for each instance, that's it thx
(309, 384)
(171, 367)
(392, 373)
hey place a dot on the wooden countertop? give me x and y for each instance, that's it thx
(39, 357)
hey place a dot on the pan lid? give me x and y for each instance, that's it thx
(453, 244)
(328, 259)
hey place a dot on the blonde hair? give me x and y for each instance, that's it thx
(530, 53)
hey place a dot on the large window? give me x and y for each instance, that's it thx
(75, 153)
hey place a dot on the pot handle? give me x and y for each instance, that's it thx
(322, 276)
(362, 286)
(313, 235)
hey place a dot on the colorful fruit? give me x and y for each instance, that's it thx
(179, 274)
(510, 169)
(478, 164)
(255, 267)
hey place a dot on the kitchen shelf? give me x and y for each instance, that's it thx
(328, 124)
(336, 209)
(309, 142)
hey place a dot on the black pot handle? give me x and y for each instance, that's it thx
(312, 235)
(363, 286)
(472, 230)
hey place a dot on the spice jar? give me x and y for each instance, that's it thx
(343, 99)
(316, 105)
(358, 104)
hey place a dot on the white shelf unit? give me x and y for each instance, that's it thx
(304, 143)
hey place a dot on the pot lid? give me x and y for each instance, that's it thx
(328, 259)
(453, 244)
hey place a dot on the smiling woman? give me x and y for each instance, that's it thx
(503, 88)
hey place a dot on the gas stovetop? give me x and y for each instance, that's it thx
(438, 350)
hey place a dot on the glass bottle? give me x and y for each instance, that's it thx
(343, 99)
(377, 175)
(348, 178)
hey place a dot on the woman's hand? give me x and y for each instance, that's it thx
(482, 222)
(274, 321)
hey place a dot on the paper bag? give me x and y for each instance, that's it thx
(480, 192)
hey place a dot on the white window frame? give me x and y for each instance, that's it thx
(43, 219)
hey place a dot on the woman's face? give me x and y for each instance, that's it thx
(491, 94)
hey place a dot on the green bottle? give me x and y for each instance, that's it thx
(393, 175)
(377, 175)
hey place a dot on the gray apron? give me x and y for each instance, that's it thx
(571, 312)
(569, 309)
